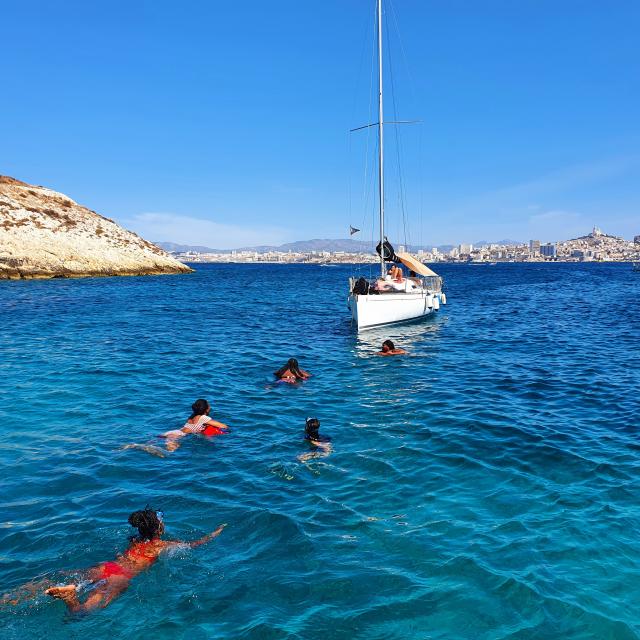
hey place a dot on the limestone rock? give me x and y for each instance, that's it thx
(45, 234)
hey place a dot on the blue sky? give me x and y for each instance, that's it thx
(226, 124)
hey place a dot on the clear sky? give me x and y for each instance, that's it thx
(226, 123)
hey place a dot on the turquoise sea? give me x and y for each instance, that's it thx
(483, 487)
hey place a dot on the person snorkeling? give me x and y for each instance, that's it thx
(321, 445)
(108, 580)
(389, 349)
(198, 423)
(291, 372)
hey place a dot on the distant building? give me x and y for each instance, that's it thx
(576, 253)
(636, 239)
(534, 247)
(548, 250)
(465, 249)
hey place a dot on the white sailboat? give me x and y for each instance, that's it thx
(391, 299)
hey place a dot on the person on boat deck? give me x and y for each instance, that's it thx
(384, 284)
(413, 282)
(291, 372)
(108, 580)
(389, 349)
(321, 445)
(198, 423)
(396, 273)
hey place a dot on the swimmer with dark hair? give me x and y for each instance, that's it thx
(321, 445)
(198, 423)
(291, 372)
(108, 580)
(389, 349)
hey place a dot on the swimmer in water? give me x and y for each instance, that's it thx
(291, 372)
(321, 445)
(110, 579)
(389, 349)
(198, 423)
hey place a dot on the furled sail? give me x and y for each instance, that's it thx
(387, 252)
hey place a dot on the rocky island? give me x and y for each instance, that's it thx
(45, 234)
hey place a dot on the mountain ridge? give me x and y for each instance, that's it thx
(349, 245)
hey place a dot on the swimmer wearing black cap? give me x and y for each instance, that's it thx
(321, 444)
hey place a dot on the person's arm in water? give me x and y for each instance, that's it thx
(321, 450)
(208, 537)
(219, 425)
(170, 544)
(209, 422)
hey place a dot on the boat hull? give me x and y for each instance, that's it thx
(370, 311)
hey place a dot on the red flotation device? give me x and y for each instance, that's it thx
(210, 430)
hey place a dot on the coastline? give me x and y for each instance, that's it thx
(374, 262)
(16, 275)
(45, 234)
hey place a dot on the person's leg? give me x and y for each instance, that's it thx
(103, 595)
(172, 444)
(100, 598)
(25, 592)
(149, 448)
(67, 594)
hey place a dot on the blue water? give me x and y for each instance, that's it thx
(485, 486)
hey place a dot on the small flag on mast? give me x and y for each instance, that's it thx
(352, 230)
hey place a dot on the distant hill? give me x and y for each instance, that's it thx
(347, 245)
(502, 243)
(304, 246)
(172, 247)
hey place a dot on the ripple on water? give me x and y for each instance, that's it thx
(482, 487)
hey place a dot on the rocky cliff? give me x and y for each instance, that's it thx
(45, 234)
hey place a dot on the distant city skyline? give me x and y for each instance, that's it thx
(226, 125)
(356, 244)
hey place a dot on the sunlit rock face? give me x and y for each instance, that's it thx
(45, 234)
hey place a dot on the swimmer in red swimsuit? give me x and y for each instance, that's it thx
(110, 579)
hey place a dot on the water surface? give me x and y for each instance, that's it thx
(485, 486)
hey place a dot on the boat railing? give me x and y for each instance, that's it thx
(433, 283)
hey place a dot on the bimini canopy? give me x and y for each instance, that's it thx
(415, 265)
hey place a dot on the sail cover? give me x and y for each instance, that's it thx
(386, 251)
(415, 265)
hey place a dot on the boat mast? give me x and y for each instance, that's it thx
(380, 141)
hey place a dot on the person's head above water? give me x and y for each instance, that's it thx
(387, 345)
(292, 366)
(148, 522)
(200, 408)
(311, 428)
(311, 431)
